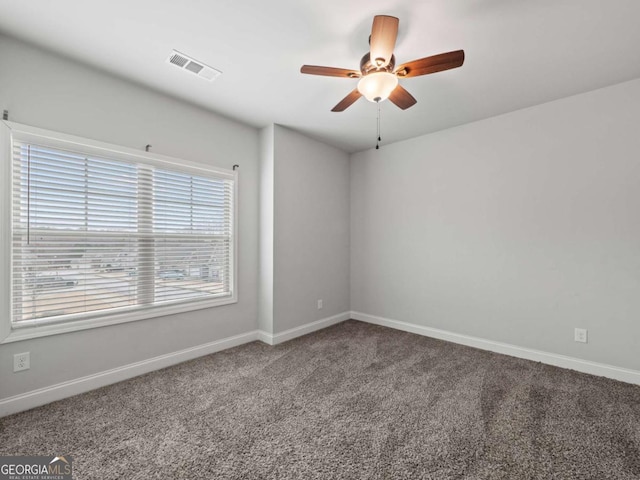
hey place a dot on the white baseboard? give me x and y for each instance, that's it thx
(275, 339)
(59, 391)
(584, 366)
(35, 398)
(42, 396)
(265, 337)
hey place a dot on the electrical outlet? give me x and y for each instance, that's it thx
(21, 361)
(319, 304)
(580, 335)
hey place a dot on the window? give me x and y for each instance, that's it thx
(103, 234)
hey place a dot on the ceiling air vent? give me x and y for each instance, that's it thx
(185, 62)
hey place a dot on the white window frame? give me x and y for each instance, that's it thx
(24, 133)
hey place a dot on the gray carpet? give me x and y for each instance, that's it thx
(351, 401)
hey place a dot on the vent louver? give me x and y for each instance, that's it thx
(179, 60)
(185, 62)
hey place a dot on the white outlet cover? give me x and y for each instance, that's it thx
(21, 361)
(319, 304)
(580, 335)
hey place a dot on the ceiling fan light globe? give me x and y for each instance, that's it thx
(377, 86)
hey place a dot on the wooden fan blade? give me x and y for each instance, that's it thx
(329, 71)
(347, 101)
(402, 98)
(433, 64)
(383, 39)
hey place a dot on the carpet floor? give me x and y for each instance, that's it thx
(354, 401)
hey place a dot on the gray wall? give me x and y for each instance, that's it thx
(311, 230)
(47, 91)
(516, 229)
(265, 268)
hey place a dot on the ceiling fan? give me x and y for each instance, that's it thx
(378, 73)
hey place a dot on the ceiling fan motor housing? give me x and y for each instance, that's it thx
(366, 66)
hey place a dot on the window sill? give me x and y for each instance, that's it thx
(25, 333)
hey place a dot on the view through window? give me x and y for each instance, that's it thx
(95, 235)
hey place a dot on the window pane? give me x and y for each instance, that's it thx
(62, 274)
(191, 268)
(189, 204)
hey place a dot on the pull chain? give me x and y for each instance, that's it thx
(379, 139)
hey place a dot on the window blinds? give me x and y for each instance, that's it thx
(93, 235)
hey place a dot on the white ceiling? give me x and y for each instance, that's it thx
(518, 53)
